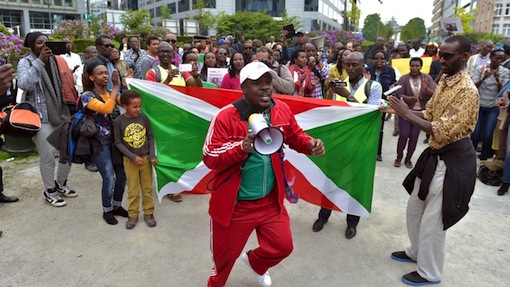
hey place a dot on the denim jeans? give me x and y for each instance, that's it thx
(114, 178)
(506, 168)
(487, 119)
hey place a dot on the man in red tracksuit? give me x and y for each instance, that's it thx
(248, 188)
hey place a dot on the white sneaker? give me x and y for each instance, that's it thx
(65, 190)
(53, 198)
(264, 280)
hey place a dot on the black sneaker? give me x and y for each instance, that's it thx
(401, 256)
(414, 279)
(120, 211)
(109, 218)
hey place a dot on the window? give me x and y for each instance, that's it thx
(495, 29)
(10, 18)
(158, 11)
(184, 5)
(24, 1)
(173, 8)
(69, 3)
(207, 3)
(507, 9)
(39, 20)
(273, 8)
(311, 5)
(506, 30)
(498, 9)
(57, 2)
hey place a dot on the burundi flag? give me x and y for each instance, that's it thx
(341, 180)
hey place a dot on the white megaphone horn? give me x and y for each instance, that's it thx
(269, 139)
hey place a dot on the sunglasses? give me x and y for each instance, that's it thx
(247, 48)
(108, 45)
(171, 41)
(447, 56)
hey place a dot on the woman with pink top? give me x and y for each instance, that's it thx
(231, 80)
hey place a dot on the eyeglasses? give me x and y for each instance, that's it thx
(173, 41)
(379, 59)
(447, 56)
(165, 52)
(224, 54)
(108, 45)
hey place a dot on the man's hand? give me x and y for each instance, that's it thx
(154, 161)
(7, 73)
(316, 147)
(247, 144)
(398, 105)
(171, 74)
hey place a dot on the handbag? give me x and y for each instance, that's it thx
(88, 127)
(20, 120)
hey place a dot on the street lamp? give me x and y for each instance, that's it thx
(48, 2)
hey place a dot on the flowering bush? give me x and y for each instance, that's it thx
(11, 47)
(72, 29)
(333, 36)
(110, 30)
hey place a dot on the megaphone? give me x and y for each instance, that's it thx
(269, 139)
(318, 41)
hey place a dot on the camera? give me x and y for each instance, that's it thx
(337, 83)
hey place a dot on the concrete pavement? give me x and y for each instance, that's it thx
(73, 246)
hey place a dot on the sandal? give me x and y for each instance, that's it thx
(397, 163)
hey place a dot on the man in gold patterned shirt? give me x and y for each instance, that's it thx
(439, 199)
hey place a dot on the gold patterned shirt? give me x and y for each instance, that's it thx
(452, 110)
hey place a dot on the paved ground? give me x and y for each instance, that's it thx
(73, 246)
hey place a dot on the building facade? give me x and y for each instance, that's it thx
(447, 9)
(25, 16)
(313, 14)
(500, 22)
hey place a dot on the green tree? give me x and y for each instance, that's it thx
(465, 17)
(387, 31)
(414, 29)
(206, 19)
(138, 22)
(252, 25)
(166, 14)
(353, 15)
(372, 27)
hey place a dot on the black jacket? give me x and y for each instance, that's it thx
(459, 181)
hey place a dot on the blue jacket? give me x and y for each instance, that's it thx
(387, 77)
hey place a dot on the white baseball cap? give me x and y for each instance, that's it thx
(255, 70)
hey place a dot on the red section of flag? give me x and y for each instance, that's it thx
(222, 97)
(306, 191)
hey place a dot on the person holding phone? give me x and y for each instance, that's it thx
(39, 77)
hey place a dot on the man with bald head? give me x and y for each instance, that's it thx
(354, 89)
(481, 58)
(172, 40)
(134, 54)
(90, 51)
(165, 72)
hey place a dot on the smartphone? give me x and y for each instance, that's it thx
(185, 67)
(57, 48)
(290, 29)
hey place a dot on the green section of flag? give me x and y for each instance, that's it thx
(351, 148)
(179, 137)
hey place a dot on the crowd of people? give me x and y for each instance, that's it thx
(443, 102)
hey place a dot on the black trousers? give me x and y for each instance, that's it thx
(352, 220)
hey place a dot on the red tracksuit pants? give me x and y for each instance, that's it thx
(273, 233)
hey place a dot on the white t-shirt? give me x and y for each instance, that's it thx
(72, 60)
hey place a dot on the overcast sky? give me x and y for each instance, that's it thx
(402, 10)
